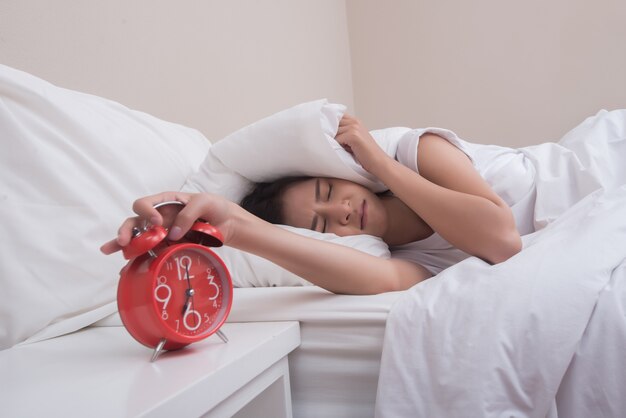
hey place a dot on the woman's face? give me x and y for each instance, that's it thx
(332, 205)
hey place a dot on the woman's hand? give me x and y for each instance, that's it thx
(178, 219)
(356, 139)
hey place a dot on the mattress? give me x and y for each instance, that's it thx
(334, 372)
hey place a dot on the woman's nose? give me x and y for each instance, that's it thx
(341, 212)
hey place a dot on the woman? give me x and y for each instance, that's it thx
(447, 197)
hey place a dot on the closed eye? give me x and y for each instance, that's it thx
(330, 190)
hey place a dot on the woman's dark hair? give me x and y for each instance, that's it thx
(265, 200)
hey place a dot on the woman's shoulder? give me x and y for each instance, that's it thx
(430, 141)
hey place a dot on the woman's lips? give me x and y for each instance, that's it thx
(363, 214)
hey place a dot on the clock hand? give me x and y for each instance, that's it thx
(187, 275)
(189, 293)
(190, 290)
(192, 306)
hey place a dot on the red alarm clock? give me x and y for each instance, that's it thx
(172, 294)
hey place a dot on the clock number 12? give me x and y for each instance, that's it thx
(183, 264)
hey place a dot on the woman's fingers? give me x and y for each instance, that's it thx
(124, 235)
(110, 247)
(145, 207)
(146, 213)
(346, 123)
(196, 208)
(184, 220)
(125, 232)
(166, 215)
(348, 133)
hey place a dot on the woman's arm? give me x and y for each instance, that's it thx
(337, 268)
(455, 200)
(448, 193)
(334, 267)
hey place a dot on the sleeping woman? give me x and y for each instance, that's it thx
(430, 219)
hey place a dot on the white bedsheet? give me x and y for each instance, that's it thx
(481, 340)
(334, 372)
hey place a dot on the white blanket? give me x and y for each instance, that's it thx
(480, 340)
(543, 334)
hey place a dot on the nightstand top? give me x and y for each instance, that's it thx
(103, 371)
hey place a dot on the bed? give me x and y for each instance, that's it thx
(517, 339)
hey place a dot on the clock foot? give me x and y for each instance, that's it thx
(222, 336)
(158, 349)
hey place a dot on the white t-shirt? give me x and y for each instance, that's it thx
(506, 170)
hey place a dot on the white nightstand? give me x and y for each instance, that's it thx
(103, 372)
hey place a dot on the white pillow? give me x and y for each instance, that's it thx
(296, 141)
(71, 166)
(299, 141)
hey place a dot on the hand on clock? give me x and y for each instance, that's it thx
(217, 210)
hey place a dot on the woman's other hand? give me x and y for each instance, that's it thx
(177, 219)
(356, 139)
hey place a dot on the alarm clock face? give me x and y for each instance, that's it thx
(192, 291)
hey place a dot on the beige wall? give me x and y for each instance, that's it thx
(213, 65)
(506, 72)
